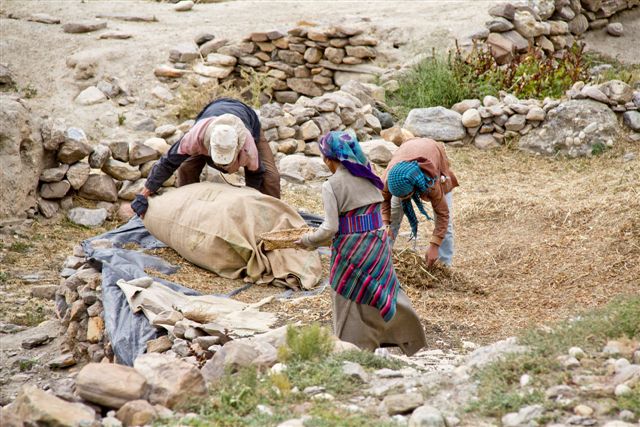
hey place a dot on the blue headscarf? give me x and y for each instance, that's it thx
(344, 147)
(407, 177)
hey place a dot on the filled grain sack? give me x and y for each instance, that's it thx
(217, 227)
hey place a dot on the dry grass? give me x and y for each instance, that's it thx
(537, 240)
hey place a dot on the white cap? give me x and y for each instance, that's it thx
(223, 144)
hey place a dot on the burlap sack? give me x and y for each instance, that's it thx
(216, 226)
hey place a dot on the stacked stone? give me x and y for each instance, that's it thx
(79, 307)
(307, 61)
(617, 94)
(106, 172)
(293, 127)
(489, 122)
(551, 25)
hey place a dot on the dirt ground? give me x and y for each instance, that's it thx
(29, 47)
(537, 239)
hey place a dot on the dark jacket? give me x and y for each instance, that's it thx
(172, 160)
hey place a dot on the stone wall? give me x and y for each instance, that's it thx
(305, 61)
(551, 25)
(547, 127)
(114, 171)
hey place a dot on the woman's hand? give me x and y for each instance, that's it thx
(431, 255)
(390, 232)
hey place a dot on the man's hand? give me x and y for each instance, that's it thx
(431, 255)
(140, 205)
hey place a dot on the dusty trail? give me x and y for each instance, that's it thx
(30, 48)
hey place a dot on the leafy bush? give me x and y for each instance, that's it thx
(446, 80)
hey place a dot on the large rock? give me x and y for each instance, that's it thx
(172, 381)
(504, 10)
(55, 190)
(402, 403)
(427, 416)
(632, 119)
(543, 8)
(617, 91)
(220, 60)
(526, 416)
(35, 407)
(20, 158)
(578, 25)
(84, 26)
(525, 23)
(140, 153)
(91, 95)
(78, 174)
(75, 147)
(119, 150)
(304, 86)
(491, 353)
(299, 168)
(212, 71)
(185, 52)
(233, 356)
(54, 174)
(131, 188)
(100, 187)
(109, 384)
(121, 170)
(136, 413)
(569, 129)
(615, 29)
(378, 151)
(99, 156)
(499, 25)
(53, 133)
(436, 123)
(471, 118)
(88, 217)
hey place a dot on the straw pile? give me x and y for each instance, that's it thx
(282, 239)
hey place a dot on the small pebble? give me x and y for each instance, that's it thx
(622, 390)
(576, 352)
(583, 410)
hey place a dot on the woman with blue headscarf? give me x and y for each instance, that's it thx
(419, 171)
(369, 308)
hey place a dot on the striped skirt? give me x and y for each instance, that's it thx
(362, 267)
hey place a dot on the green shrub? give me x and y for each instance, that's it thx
(445, 80)
(306, 343)
(433, 82)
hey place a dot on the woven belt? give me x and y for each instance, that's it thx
(360, 223)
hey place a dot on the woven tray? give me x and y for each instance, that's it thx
(282, 239)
